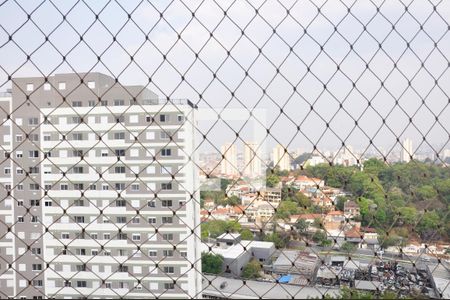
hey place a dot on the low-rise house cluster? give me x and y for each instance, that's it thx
(237, 253)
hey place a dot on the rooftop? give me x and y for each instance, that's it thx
(234, 288)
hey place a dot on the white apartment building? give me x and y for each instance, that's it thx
(252, 160)
(281, 158)
(229, 164)
(407, 150)
(99, 193)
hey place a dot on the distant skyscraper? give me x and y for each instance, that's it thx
(252, 160)
(281, 159)
(228, 165)
(407, 150)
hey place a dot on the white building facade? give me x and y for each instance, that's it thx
(102, 191)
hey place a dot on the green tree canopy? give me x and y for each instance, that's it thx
(252, 270)
(211, 263)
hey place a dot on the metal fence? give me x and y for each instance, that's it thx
(224, 149)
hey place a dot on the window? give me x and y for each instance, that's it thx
(19, 202)
(30, 87)
(33, 170)
(120, 152)
(119, 102)
(106, 236)
(19, 154)
(152, 220)
(78, 170)
(104, 103)
(166, 152)
(148, 119)
(34, 219)
(91, 103)
(167, 220)
(136, 220)
(20, 187)
(80, 251)
(76, 104)
(121, 203)
(67, 283)
(180, 118)
(164, 135)
(93, 187)
(65, 235)
(166, 186)
(36, 267)
(47, 203)
(167, 236)
(120, 186)
(152, 253)
(36, 251)
(47, 137)
(104, 153)
(183, 254)
(78, 202)
(64, 187)
(164, 118)
(77, 153)
(20, 219)
(19, 171)
(122, 269)
(121, 220)
(7, 170)
(62, 85)
(167, 253)
(119, 135)
(35, 202)
(169, 286)
(33, 121)
(77, 136)
(33, 137)
(37, 283)
(79, 219)
(105, 187)
(19, 138)
(34, 187)
(47, 87)
(169, 270)
(151, 203)
(119, 170)
(78, 186)
(136, 236)
(81, 283)
(91, 84)
(122, 236)
(135, 187)
(108, 285)
(76, 120)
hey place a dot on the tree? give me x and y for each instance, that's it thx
(286, 209)
(211, 263)
(408, 214)
(348, 247)
(319, 236)
(246, 234)
(426, 192)
(301, 226)
(252, 270)
(302, 200)
(214, 228)
(276, 239)
(340, 201)
(272, 180)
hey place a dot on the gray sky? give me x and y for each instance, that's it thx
(261, 68)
